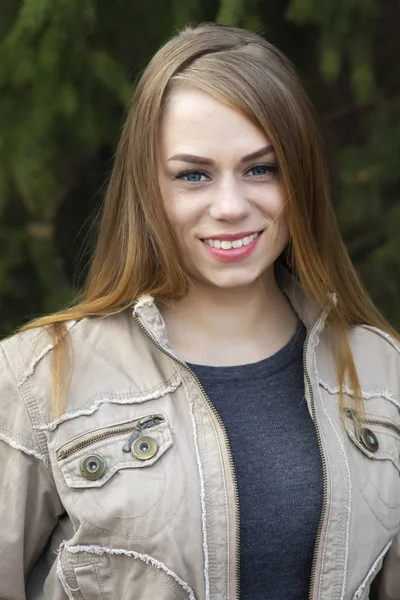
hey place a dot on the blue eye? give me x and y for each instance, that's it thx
(195, 176)
(264, 170)
(188, 174)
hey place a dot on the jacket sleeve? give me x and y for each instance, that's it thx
(29, 504)
(389, 588)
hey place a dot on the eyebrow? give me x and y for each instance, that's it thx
(201, 160)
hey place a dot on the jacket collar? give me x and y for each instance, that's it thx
(146, 311)
(304, 305)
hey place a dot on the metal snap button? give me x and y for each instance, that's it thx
(144, 448)
(93, 467)
(369, 440)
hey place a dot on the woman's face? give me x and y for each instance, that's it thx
(221, 189)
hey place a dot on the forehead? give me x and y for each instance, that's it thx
(195, 120)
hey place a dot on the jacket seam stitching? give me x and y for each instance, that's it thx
(156, 392)
(35, 415)
(30, 452)
(346, 466)
(30, 404)
(149, 560)
(202, 495)
(61, 576)
(30, 368)
(15, 442)
(371, 572)
(384, 393)
(314, 344)
(213, 569)
(384, 335)
(99, 580)
(342, 596)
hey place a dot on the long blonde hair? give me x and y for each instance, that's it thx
(137, 252)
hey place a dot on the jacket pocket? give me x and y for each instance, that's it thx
(376, 459)
(100, 573)
(126, 478)
(89, 583)
(362, 592)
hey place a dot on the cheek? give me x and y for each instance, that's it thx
(273, 203)
(275, 208)
(276, 202)
(182, 212)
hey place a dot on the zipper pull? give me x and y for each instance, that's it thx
(144, 423)
(134, 436)
(352, 414)
(365, 436)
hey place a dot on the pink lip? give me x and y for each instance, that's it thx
(234, 254)
(230, 237)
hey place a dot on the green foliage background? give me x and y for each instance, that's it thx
(67, 72)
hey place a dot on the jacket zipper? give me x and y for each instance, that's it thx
(230, 455)
(225, 435)
(323, 459)
(367, 421)
(141, 424)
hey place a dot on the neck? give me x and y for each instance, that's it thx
(257, 318)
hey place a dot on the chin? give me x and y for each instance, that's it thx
(246, 277)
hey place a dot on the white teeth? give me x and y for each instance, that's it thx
(225, 245)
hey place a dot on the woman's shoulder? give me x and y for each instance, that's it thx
(374, 338)
(27, 368)
(376, 356)
(23, 350)
(104, 359)
(27, 349)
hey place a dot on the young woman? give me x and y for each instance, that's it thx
(218, 417)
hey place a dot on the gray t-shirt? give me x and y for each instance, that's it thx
(278, 468)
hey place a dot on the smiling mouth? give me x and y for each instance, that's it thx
(235, 242)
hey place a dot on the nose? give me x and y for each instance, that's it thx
(229, 203)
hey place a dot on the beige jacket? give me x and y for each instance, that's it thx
(130, 494)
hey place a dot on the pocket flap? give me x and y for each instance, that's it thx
(376, 436)
(91, 459)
